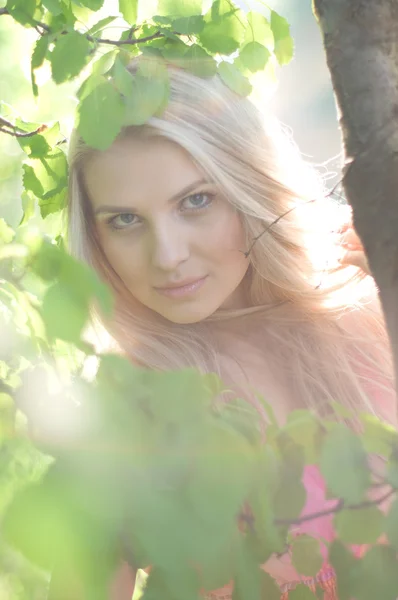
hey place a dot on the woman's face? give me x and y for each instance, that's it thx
(172, 238)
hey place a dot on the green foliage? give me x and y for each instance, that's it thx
(69, 56)
(349, 525)
(231, 75)
(306, 555)
(254, 56)
(128, 8)
(101, 116)
(343, 465)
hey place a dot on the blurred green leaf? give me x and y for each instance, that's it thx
(359, 526)
(22, 10)
(247, 580)
(35, 146)
(234, 79)
(391, 524)
(100, 25)
(344, 565)
(306, 555)
(6, 232)
(30, 181)
(91, 4)
(284, 48)
(39, 52)
(223, 37)
(147, 97)
(344, 465)
(199, 62)
(189, 25)
(269, 588)
(64, 313)
(69, 56)
(101, 116)
(377, 575)
(259, 30)
(128, 9)
(122, 78)
(180, 8)
(54, 6)
(254, 56)
(378, 437)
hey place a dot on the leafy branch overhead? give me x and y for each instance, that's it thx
(225, 39)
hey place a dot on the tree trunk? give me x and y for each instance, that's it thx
(361, 44)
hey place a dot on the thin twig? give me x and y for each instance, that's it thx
(328, 195)
(340, 505)
(11, 129)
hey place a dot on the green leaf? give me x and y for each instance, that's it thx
(128, 9)
(101, 116)
(28, 206)
(30, 181)
(284, 48)
(69, 56)
(359, 526)
(53, 6)
(301, 592)
(122, 78)
(234, 79)
(189, 25)
(63, 313)
(344, 565)
(52, 202)
(39, 52)
(6, 232)
(306, 555)
(254, 56)
(303, 428)
(344, 466)
(91, 4)
(259, 30)
(377, 575)
(180, 8)
(199, 62)
(378, 437)
(148, 96)
(38, 57)
(247, 580)
(47, 261)
(391, 524)
(35, 146)
(22, 10)
(100, 25)
(269, 588)
(223, 37)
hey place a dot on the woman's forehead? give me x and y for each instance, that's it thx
(139, 170)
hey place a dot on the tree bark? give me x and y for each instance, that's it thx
(361, 43)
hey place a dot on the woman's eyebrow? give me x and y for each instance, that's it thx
(110, 208)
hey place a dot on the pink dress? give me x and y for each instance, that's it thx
(281, 569)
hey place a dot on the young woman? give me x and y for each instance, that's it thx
(224, 254)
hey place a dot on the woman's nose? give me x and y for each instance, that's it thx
(169, 249)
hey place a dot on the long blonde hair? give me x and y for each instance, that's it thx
(327, 337)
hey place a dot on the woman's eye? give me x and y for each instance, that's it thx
(122, 221)
(197, 201)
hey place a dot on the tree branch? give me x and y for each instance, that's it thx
(11, 129)
(340, 505)
(96, 40)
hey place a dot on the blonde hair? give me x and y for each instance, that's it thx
(327, 337)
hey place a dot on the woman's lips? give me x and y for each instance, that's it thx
(184, 290)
